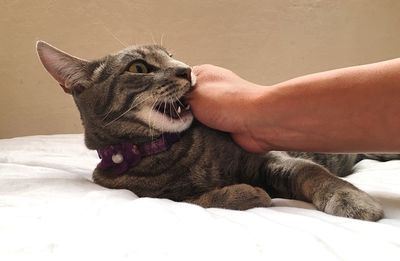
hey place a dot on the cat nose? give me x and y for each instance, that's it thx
(184, 72)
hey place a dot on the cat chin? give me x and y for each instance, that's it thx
(164, 123)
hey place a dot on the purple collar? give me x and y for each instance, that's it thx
(121, 157)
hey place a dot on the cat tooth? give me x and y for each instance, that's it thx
(179, 110)
(187, 107)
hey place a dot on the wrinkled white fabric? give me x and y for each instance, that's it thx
(51, 210)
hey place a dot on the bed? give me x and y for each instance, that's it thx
(51, 210)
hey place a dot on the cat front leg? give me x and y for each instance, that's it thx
(305, 180)
(238, 197)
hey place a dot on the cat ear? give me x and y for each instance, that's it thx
(65, 68)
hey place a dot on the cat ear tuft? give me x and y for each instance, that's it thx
(65, 68)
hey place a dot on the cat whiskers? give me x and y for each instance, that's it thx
(162, 39)
(183, 106)
(111, 110)
(106, 114)
(152, 38)
(164, 111)
(128, 110)
(176, 111)
(170, 111)
(149, 119)
(114, 36)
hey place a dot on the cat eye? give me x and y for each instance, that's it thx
(138, 67)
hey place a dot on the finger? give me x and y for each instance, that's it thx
(204, 68)
(198, 69)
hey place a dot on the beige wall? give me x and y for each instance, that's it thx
(263, 41)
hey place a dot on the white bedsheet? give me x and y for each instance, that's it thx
(51, 210)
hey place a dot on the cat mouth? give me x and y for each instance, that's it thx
(175, 110)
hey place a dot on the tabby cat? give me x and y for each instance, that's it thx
(133, 109)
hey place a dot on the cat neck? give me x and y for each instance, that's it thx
(118, 158)
(96, 140)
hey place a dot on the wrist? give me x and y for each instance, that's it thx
(261, 116)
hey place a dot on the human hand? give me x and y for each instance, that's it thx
(224, 101)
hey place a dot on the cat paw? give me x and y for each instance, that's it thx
(353, 203)
(238, 197)
(246, 197)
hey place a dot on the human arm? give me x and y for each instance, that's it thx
(346, 110)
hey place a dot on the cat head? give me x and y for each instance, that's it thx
(135, 94)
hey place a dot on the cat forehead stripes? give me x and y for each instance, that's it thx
(158, 55)
(150, 53)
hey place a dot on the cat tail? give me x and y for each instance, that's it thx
(378, 157)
